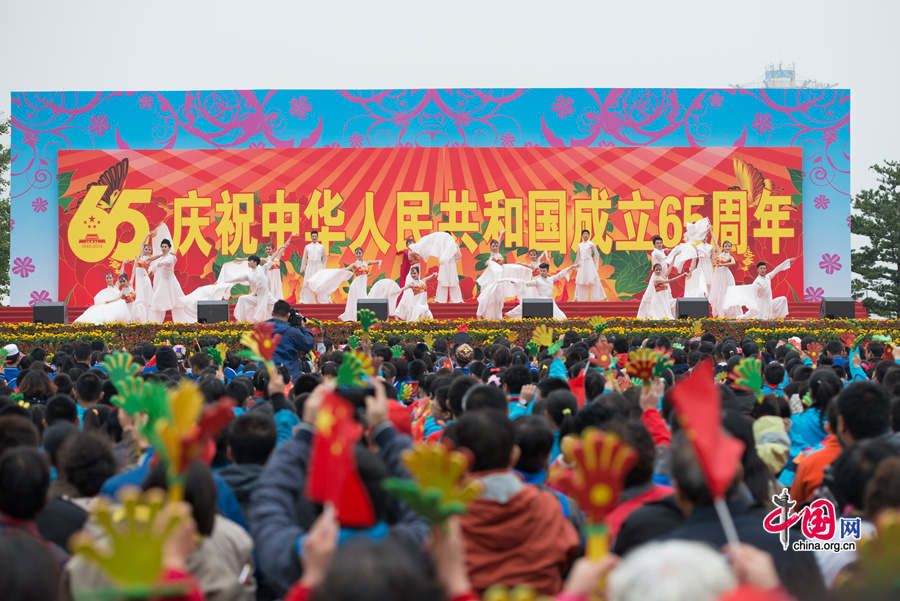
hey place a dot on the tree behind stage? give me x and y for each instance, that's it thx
(877, 216)
(4, 212)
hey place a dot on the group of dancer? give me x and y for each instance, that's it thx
(700, 259)
(707, 267)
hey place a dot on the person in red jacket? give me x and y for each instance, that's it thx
(514, 533)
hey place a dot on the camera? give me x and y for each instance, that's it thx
(295, 319)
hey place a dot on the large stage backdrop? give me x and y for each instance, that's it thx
(230, 170)
(222, 203)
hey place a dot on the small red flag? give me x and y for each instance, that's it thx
(332, 474)
(576, 385)
(696, 399)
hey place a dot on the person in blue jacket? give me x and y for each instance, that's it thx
(295, 341)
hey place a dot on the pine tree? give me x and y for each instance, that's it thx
(877, 217)
(4, 212)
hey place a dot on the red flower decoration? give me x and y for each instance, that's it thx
(462, 328)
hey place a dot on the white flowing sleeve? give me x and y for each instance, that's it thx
(781, 267)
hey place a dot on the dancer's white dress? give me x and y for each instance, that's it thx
(387, 289)
(324, 283)
(588, 286)
(698, 282)
(496, 283)
(413, 305)
(257, 305)
(542, 287)
(109, 306)
(313, 262)
(273, 277)
(722, 280)
(757, 297)
(358, 290)
(167, 293)
(143, 289)
(657, 302)
(444, 248)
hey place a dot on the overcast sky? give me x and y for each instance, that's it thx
(209, 44)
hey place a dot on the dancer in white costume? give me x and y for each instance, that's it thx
(757, 297)
(722, 281)
(698, 252)
(358, 286)
(658, 255)
(315, 256)
(140, 282)
(413, 305)
(272, 265)
(167, 293)
(498, 282)
(542, 287)
(444, 248)
(534, 264)
(588, 286)
(110, 304)
(657, 302)
(257, 305)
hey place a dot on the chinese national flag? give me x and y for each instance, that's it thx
(696, 399)
(332, 474)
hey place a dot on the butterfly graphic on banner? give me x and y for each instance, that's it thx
(113, 178)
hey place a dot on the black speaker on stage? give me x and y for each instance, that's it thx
(378, 306)
(212, 311)
(692, 308)
(537, 308)
(833, 307)
(50, 313)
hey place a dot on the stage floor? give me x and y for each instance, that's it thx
(330, 312)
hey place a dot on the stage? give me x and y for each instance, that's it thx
(466, 310)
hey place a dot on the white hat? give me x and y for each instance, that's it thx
(11, 350)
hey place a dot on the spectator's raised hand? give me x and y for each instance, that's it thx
(319, 546)
(528, 393)
(277, 385)
(650, 395)
(586, 576)
(377, 405)
(447, 549)
(752, 566)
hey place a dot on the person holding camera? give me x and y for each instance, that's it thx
(295, 341)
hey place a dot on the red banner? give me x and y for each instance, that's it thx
(220, 204)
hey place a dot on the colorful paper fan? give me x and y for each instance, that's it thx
(366, 318)
(120, 367)
(602, 460)
(355, 370)
(217, 353)
(353, 341)
(397, 350)
(187, 432)
(542, 336)
(747, 375)
(130, 550)
(597, 324)
(407, 392)
(261, 342)
(601, 355)
(663, 363)
(3, 355)
(642, 365)
(533, 347)
(437, 488)
(814, 350)
(428, 339)
(146, 398)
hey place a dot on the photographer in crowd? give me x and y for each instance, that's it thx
(295, 341)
